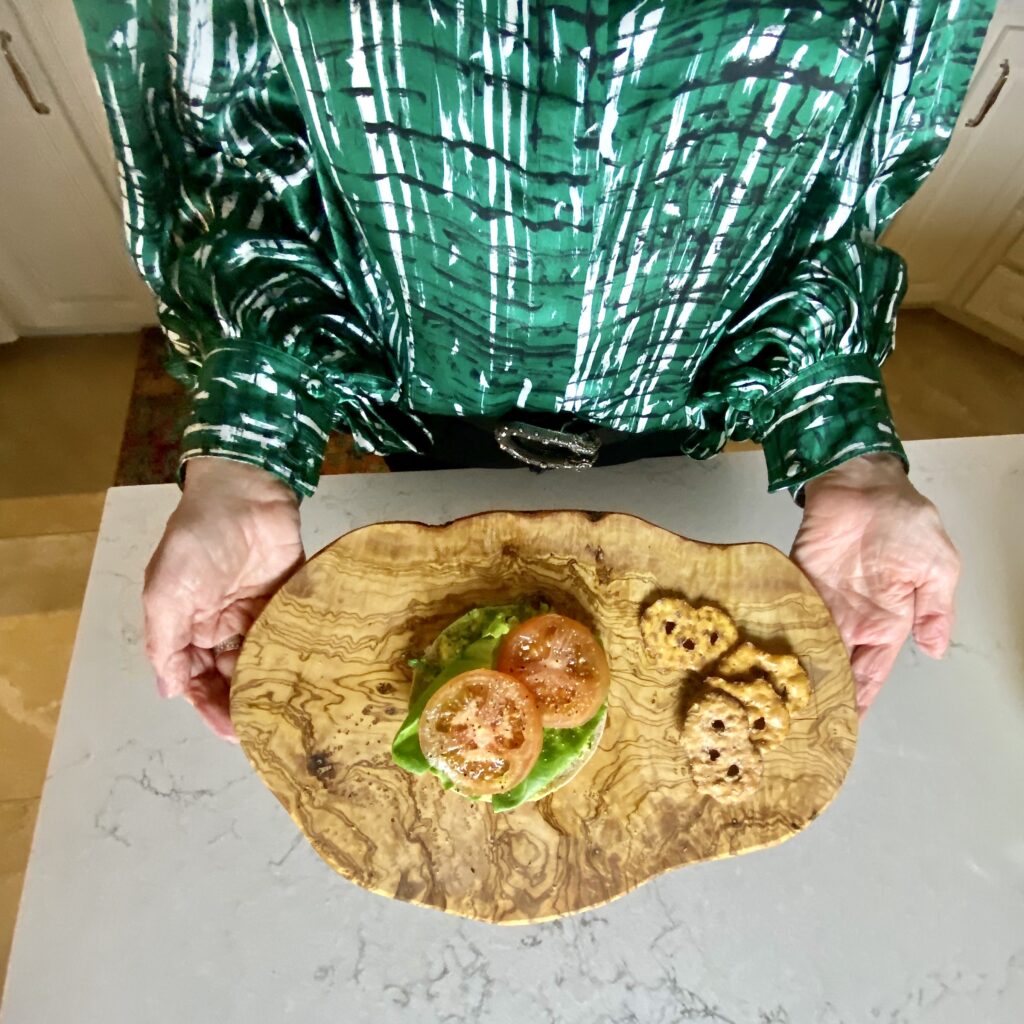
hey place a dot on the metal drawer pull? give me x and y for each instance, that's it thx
(19, 74)
(993, 95)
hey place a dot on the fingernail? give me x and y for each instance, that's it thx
(162, 687)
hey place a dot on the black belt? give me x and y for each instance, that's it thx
(539, 440)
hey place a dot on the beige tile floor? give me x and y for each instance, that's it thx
(62, 412)
(945, 381)
(62, 409)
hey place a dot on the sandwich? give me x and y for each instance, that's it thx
(507, 704)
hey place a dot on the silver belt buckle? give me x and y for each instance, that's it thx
(547, 449)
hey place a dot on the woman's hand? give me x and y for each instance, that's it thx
(232, 540)
(877, 552)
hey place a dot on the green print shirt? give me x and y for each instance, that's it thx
(653, 216)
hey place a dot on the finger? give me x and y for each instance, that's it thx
(934, 611)
(209, 696)
(235, 620)
(871, 668)
(226, 662)
(168, 629)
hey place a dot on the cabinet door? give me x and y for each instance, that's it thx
(965, 217)
(998, 304)
(63, 263)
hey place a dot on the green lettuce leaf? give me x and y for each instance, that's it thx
(561, 748)
(471, 642)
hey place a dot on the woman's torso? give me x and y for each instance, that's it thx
(563, 206)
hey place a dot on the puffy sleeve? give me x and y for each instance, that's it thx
(227, 223)
(800, 371)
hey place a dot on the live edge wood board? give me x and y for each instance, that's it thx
(322, 685)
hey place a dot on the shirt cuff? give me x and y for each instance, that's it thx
(263, 407)
(830, 412)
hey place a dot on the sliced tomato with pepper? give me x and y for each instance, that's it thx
(482, 729)
(561, 661)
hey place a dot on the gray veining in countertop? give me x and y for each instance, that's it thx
(167, 885)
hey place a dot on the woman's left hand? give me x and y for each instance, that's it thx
(877, 552)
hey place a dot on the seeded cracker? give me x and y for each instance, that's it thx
(766, 712)
(723, 761)
(783, 671)
(678, 635)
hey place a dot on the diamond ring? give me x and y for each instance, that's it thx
(233, 643)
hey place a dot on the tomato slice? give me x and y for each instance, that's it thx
(483, 730)
(561, 661)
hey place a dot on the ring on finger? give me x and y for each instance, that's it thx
(233, 643)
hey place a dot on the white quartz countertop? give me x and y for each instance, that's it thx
(166, 884)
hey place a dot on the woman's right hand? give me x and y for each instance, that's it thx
(230, 543)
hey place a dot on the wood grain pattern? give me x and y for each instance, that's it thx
(322, 685)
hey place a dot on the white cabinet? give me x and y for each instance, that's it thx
(63, 263)
(962, 234)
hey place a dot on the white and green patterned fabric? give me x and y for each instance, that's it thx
(654, 216)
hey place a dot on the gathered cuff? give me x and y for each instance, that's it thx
(828, 413)
(263, 407)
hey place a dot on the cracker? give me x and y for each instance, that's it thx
(723, 761)
(783, 671)
(767, 716)
(677, 634)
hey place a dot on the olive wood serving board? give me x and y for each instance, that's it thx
(322, 685)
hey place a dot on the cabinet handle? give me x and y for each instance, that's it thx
(19, 74)
(993, 95)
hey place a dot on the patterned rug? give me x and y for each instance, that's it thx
(158, 412)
